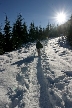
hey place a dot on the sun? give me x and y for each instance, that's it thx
(61, 17)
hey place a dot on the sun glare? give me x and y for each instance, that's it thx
(61, 17)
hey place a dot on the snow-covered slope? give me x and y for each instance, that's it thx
(29, 81)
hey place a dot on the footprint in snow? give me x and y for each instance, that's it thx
(23, 70)
(20, 79)
(16, 98)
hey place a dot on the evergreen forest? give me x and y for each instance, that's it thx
(12, 37)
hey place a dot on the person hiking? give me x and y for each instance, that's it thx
(38, 46)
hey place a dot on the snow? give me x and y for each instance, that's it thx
(29, 81)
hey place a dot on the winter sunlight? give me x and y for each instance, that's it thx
(61, 17)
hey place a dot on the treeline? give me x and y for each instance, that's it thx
(66, 30)
(12, 37)
(69, 35)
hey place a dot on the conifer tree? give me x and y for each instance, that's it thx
(36, 33)
(7, 35)
(25, 33)
(46, 31)
(69, 37)
(32, 32)
(40, 33)
(17, 33)
(44, 34)
(1, 42)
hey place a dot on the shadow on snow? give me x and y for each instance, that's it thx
(44, 98)
(29, 59)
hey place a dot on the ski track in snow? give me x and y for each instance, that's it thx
(29, 81)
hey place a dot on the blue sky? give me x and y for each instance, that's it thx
(39, 11)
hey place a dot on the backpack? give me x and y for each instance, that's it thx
(39, 45)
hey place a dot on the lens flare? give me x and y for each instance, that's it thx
(61, 17)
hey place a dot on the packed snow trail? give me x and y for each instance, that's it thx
(29, 81)
(44, 98)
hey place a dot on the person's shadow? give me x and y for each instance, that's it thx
(44, 98)
(27, 60)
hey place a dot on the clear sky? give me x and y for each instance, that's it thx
(39, 11)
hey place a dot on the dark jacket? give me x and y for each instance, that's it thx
(39, 45)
